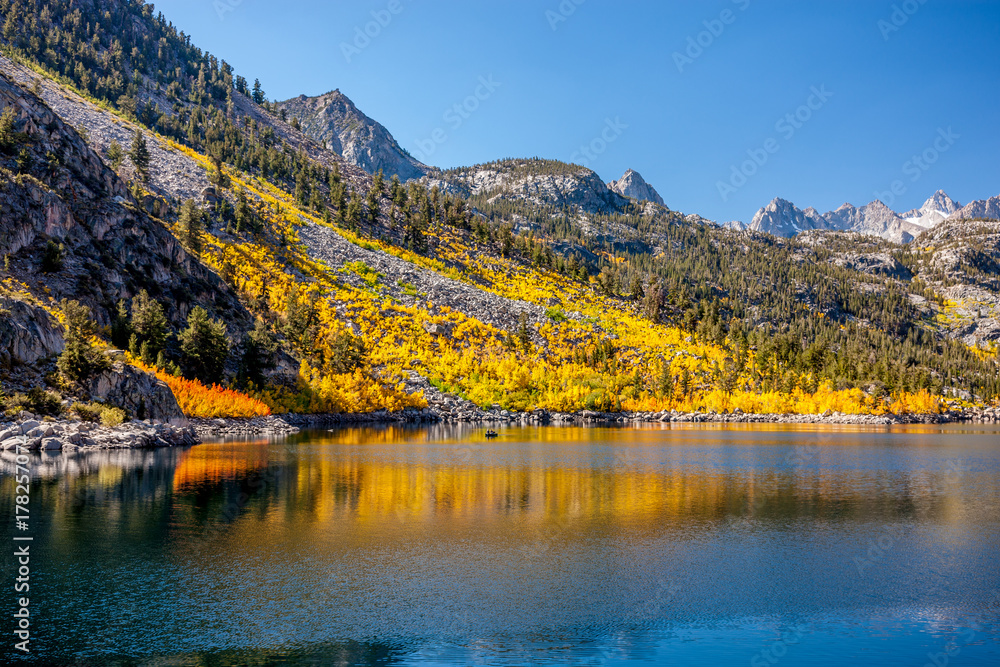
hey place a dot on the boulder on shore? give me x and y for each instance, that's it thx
(140, 394)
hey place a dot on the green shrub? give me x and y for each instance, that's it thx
(557, 315)
(111, 417)
(36, 401)
(88, 412)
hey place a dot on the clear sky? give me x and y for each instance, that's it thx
(683, 92)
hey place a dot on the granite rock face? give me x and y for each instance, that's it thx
(111, 247)
(540, 182)
(27, 333)
(934, 211)
(783, 218)
(140, 394)
(633, 185)
(333, 121)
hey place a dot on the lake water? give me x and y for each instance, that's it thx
(764, 545)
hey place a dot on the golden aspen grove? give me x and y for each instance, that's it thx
(606, 357)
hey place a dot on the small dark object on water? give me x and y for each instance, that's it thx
(491, 433)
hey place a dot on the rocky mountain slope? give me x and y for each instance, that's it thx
(111, 248)
(541, 182)
(632, 185)
(983, 208)
(782, 218)
(335, 123)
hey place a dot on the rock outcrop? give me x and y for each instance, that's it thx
(633, 185)
(934, 211)
(333, 121)
(140, 394)
(67, 437)
(782, 218)
(27, 333)
(541, 182)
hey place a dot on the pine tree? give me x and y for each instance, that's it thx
(139, 155)
(373, 206)
(149, 324)
(80, 359)
(524, 333)
(354, 210)
(666, 381)
(115, 155)
(259, 350)
(258, 93)
(190, 223)
(53, 257)
(121, 331)
(8, 137)
(205, 346)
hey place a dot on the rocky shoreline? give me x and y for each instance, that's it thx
(292, 423)
(66, 436)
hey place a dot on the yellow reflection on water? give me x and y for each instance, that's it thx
(372, 475)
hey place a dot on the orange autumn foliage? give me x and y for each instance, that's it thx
(208, 402)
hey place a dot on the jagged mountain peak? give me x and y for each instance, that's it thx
(334, 121)
(940, 201)
(633, 185)
(934, 210)
(783, 218)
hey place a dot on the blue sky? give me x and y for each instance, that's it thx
(696, 96)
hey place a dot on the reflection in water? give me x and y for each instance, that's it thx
(592, 546)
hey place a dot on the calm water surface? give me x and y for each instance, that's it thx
(744, 546)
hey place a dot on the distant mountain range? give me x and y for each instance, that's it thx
(336, 123)
(783, 218)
